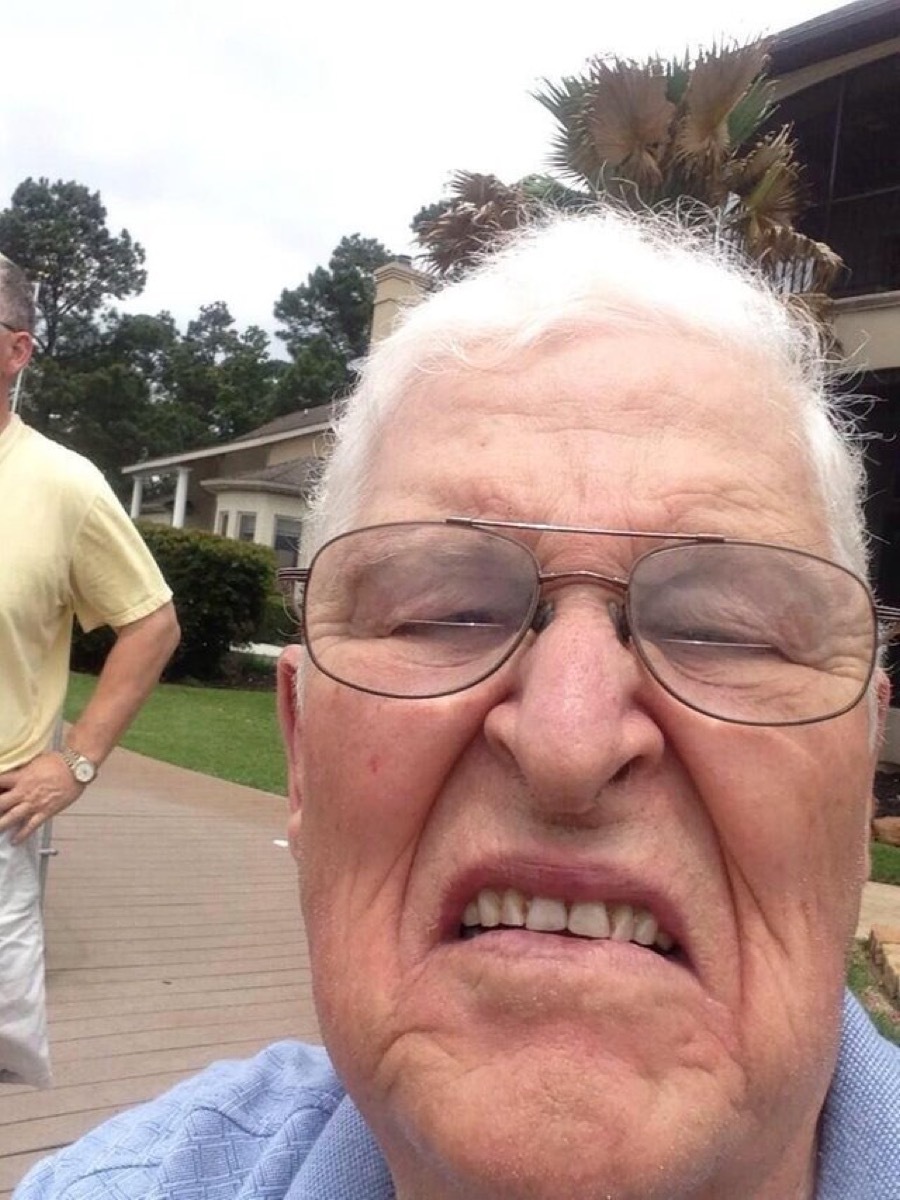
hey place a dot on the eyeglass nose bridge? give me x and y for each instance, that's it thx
(617, 609)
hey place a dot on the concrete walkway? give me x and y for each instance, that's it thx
(174, 938)
(880, 906)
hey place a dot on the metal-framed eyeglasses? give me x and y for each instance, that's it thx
(748, 632)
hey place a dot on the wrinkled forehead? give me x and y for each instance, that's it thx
(638, 378)
(640, 410)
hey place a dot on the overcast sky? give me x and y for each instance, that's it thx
(238, 142)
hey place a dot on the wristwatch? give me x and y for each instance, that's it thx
(82, 768)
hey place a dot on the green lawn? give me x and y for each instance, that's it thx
(863, 981)
(226, 732)
(885, 863)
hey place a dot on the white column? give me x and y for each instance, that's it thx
(181, 490)
(137, 495)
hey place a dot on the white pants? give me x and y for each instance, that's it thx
(24, 1053)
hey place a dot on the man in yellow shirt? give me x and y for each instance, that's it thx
(69, 549)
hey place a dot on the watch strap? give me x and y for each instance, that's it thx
(82, 768)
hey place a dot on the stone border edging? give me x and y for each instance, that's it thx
(883, 948)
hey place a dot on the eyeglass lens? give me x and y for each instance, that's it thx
(744, 632)
(752, 633)
(417, 610)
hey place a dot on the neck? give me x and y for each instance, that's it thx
(5, 412)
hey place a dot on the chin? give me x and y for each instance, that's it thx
(554, 1155)
(556, 1127)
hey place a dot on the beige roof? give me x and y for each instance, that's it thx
(301, 418)
(289, 478)
(308, 420)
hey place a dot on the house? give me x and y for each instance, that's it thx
(255, 488)
(251, 488)
(838, 85)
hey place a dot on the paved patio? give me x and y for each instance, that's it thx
(173, 940)
(880, 906)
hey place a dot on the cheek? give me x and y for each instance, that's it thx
(790, 811)
(370, 771)
(370, 774)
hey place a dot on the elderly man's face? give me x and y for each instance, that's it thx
(528, 1064)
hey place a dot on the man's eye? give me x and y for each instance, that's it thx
(715, 637)
(471, 620)
(689, 635)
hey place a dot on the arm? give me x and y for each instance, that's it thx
(32, 794)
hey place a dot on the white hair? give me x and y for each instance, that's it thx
(602, 271)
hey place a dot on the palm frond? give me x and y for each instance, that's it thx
(569, 154)
(625, 120)
(562, 99)
(678, 76)
(481, 212)
(787, 255)
(751, 112)
(546, 192)
(769, 179)
(719, 82)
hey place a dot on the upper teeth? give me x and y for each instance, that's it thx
(590, 919)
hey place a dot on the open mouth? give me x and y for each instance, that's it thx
(592, 920)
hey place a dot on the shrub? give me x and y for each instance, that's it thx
(249, 672)
(89, 650)
(220, 588)
(276, 628)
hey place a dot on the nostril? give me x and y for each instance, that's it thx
(622, 774)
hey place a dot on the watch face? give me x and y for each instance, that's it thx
(84, 771)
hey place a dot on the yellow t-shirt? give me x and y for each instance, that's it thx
(66, 547)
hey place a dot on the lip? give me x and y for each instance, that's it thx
(519, 954)
(567, 881)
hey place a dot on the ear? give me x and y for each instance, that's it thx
(23, 346)
(289, 717)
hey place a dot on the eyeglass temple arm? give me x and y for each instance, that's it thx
(888, 623)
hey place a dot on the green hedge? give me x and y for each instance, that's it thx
(220, 588)
(276, 628)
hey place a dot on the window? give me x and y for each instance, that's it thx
(223, 523)
(246, 530)
(287, 540)
(868, 157)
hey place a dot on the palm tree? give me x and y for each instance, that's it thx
(654, 134)
(478, 211)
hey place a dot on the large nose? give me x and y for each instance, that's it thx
(575, 718)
